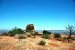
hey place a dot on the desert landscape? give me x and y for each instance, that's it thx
(37, 24)
(30, 43)
(29, 39)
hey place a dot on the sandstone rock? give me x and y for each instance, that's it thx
(30, 27)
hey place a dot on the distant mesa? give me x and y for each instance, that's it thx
(2, 31)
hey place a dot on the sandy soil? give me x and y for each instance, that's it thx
(11, 43)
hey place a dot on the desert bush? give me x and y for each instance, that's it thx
(36, 33)
(5, 33)
(10, 33)
(20, 36)
(30, 33)
(70, 31)
(46, 34)
(42, 42)
(15, 31)
(57, 35)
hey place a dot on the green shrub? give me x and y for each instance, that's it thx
(5, 33)
(57, 35)
(42, 42)
(30, 33)
(15, 31)
(11, 33)
(46, 34)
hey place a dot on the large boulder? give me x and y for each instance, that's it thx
(30, 27)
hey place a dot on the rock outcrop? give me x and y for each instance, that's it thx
(30, 27)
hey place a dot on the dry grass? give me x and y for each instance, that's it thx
(11, 43)
(52, 44)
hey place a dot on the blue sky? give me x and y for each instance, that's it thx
(44, 14)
